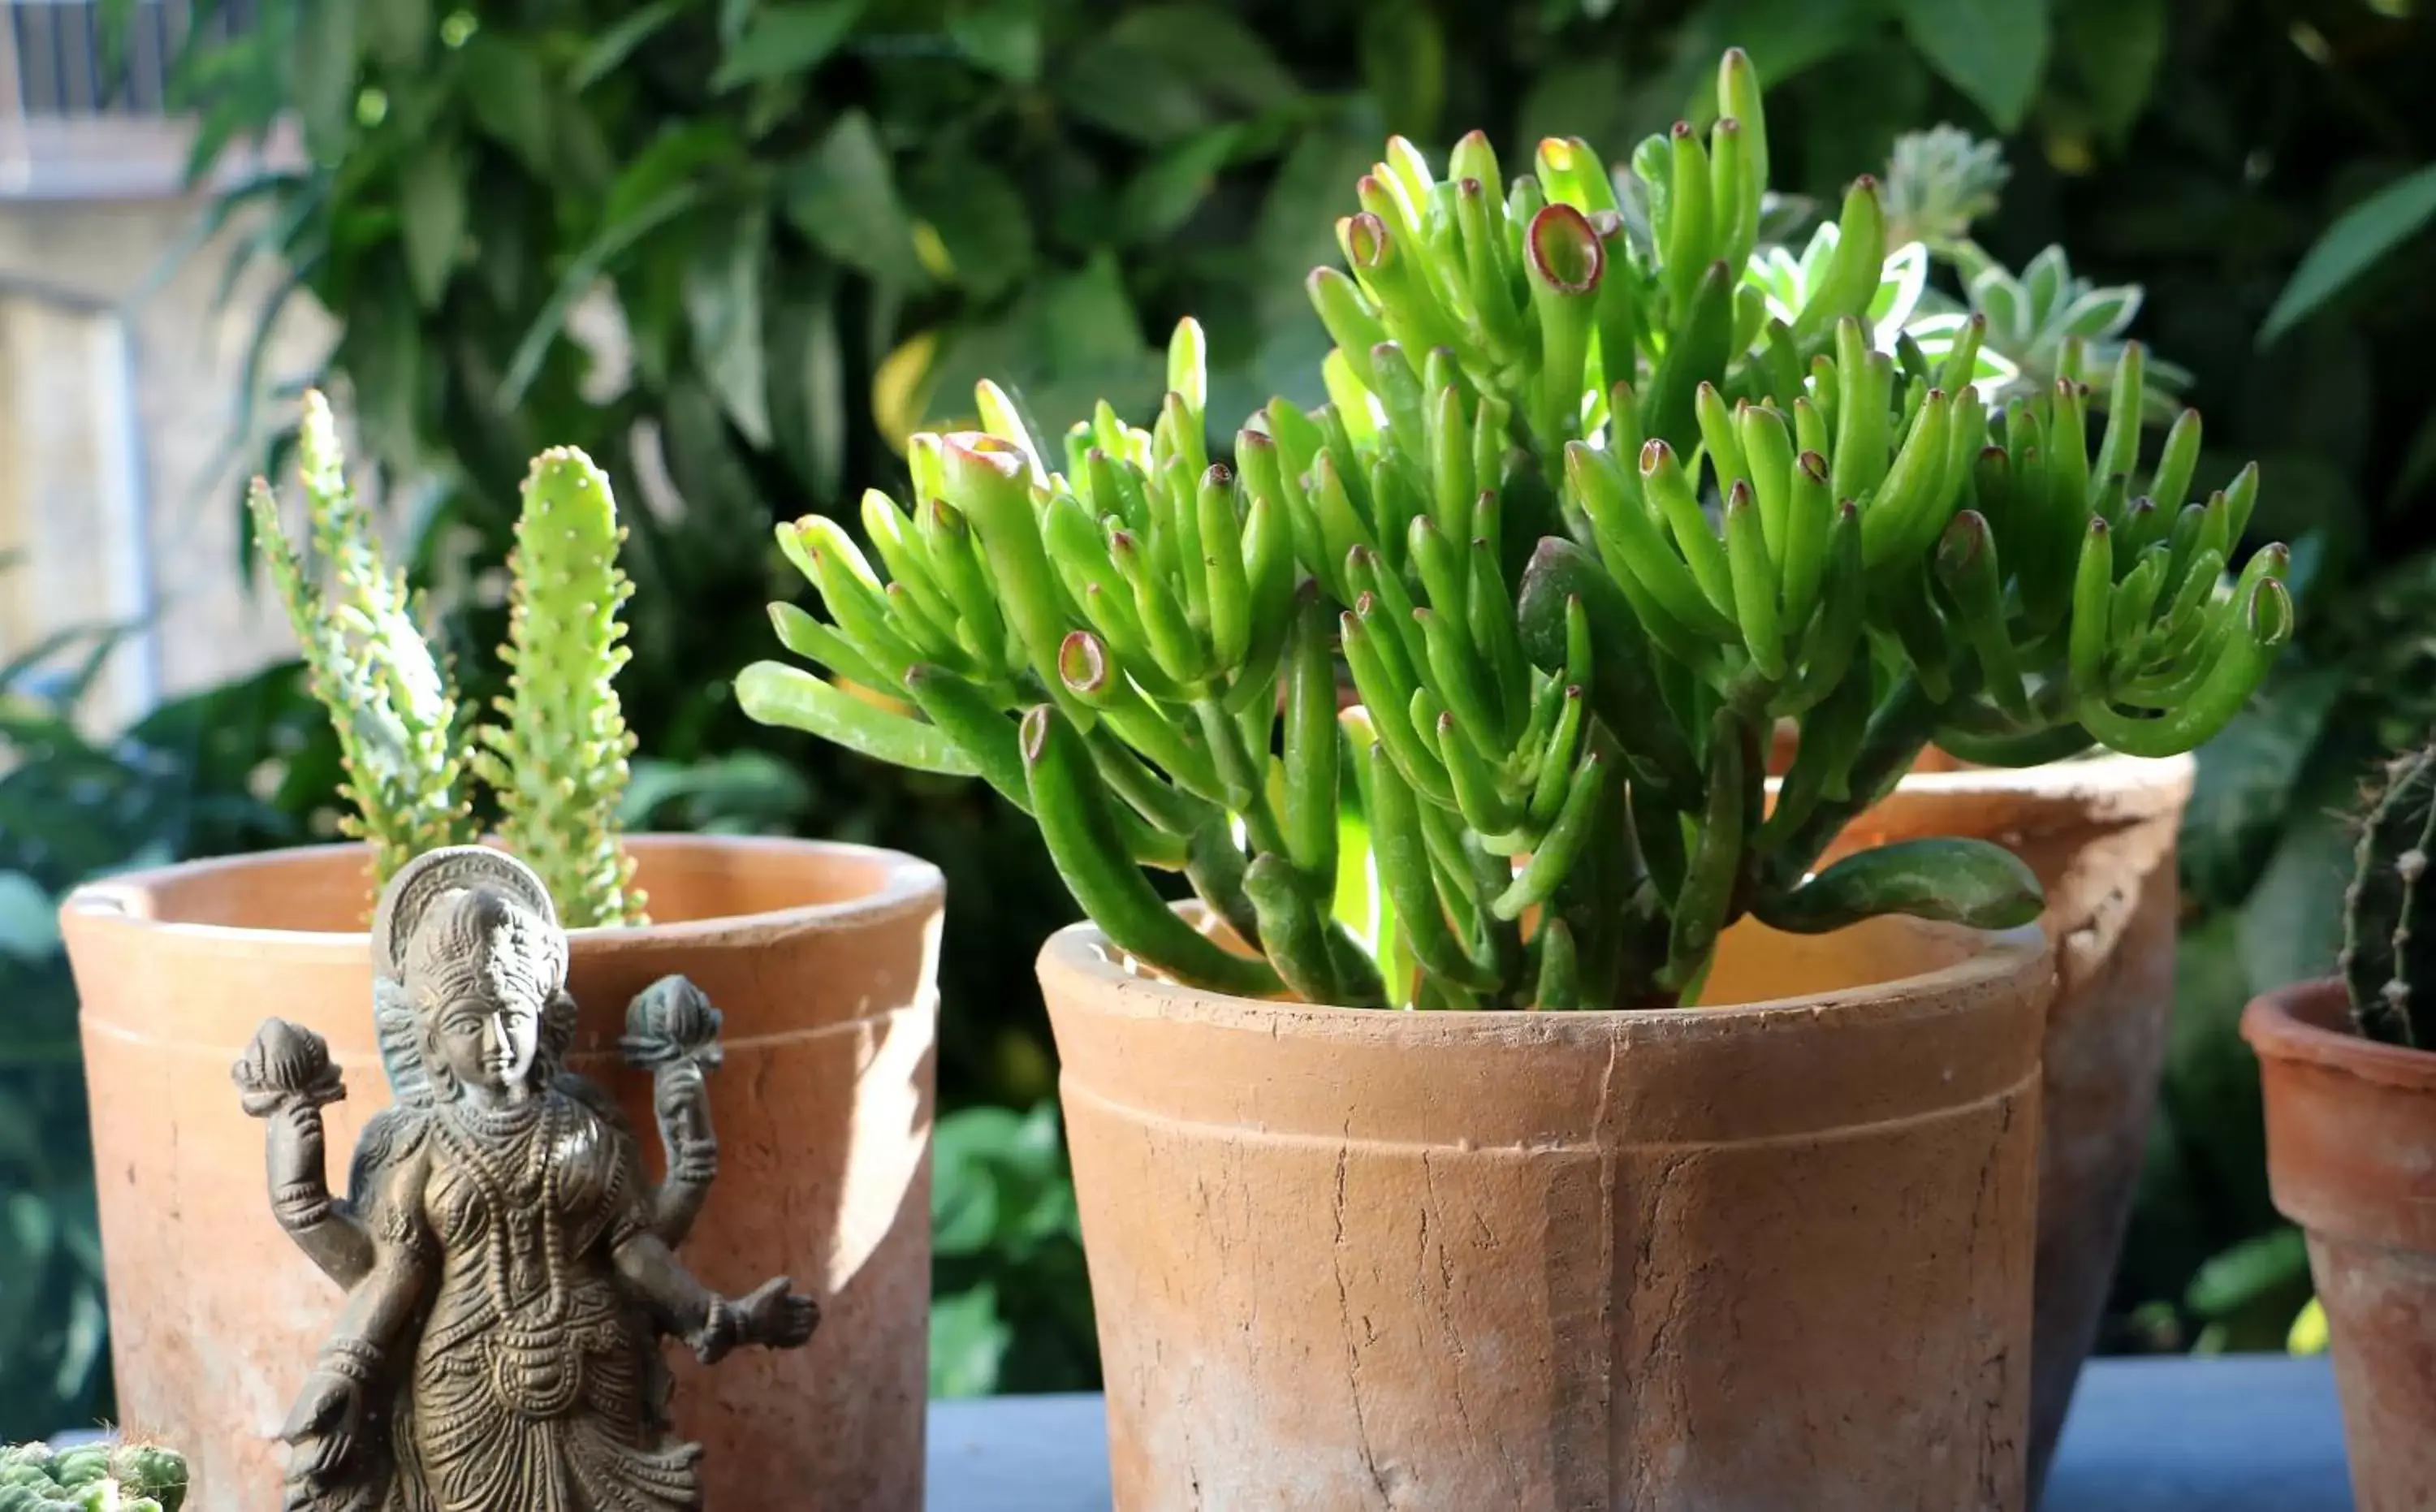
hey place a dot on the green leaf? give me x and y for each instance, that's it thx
(808, 386)
(843, 196)
(2359, 237)
(672, 158)
(773, 693)
(722, 300)
(2248, 1273)
(2114, 47)
(1785, 38)
(2246, 776)
(328, 50)
(1209, 43)
(968, 1342)
(431, 200)
(785, 40)
(2293, 924)
(1003, 36)
(615, 45)
(1992, 50)
(399, 32)
(30, 924)
(980, 218)
(1970, 882)
(512, 98)
(1403, 66)
(1164, 195)
(612, 240)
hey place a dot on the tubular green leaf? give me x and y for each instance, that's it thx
(1080, 829)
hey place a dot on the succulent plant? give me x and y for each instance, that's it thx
(558, 761)
(1587, 512)
(2388, 930)
(399, 721)
(557, 757)
(122, 1477)
(1937, 183)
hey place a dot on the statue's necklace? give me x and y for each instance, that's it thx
(535, 1129)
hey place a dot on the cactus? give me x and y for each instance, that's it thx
(1593, 504)
(558, 764)
(2384, 957)
(398, 722)
(558, 761)
(123, 1477)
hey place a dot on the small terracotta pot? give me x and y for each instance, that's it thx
(2351, 1158)
(1723, 1260)
(821, 958)
(2101, 836)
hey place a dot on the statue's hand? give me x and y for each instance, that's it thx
(285, 1070)
(776, 1318)
(322, 1430)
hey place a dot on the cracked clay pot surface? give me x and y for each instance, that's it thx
(820, 957)
(2351, 1158)
(2100, 834)
(1718, 1259)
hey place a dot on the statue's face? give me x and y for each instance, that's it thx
(488, 1038)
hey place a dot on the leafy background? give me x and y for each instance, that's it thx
(737, 250)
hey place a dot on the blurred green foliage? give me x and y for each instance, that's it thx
(736, 248)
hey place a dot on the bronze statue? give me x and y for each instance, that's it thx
(509, 1268)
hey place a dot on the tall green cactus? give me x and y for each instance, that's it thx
(1596, 499)
(558, 761)
(558, 764)
(2389, 917)
(122, 1477)
(399, 724)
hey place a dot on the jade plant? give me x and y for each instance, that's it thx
(1588, 512)
(2388, 930)
(556, 756)
(120, 1477)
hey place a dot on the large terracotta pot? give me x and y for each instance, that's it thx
(820, 956)
(2351, 1158)
(1725, 1259)
(2100, 834)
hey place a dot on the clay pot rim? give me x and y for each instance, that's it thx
(907, 884)
(2308, 1022)
(1998, 960)
(2139, 787)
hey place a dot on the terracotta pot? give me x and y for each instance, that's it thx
(1729, 1259)
(2351, 1158)
(2100, 834)
(821, 957)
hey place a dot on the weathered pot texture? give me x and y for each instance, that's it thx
(2100, 834)
(2351, 1158)
(1722, 1259)
(821, 958)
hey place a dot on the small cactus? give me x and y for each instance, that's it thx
(556, 763)
(2384, 955)
(122, 1477)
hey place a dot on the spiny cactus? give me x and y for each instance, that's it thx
(1589, 509)
(96, 1478)
(2390, 912)
(399, 724)
(558, 763)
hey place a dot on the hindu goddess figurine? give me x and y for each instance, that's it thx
(510, 1269)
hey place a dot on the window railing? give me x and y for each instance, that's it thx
(81, 118)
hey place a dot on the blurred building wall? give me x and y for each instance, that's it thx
(119, 387)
